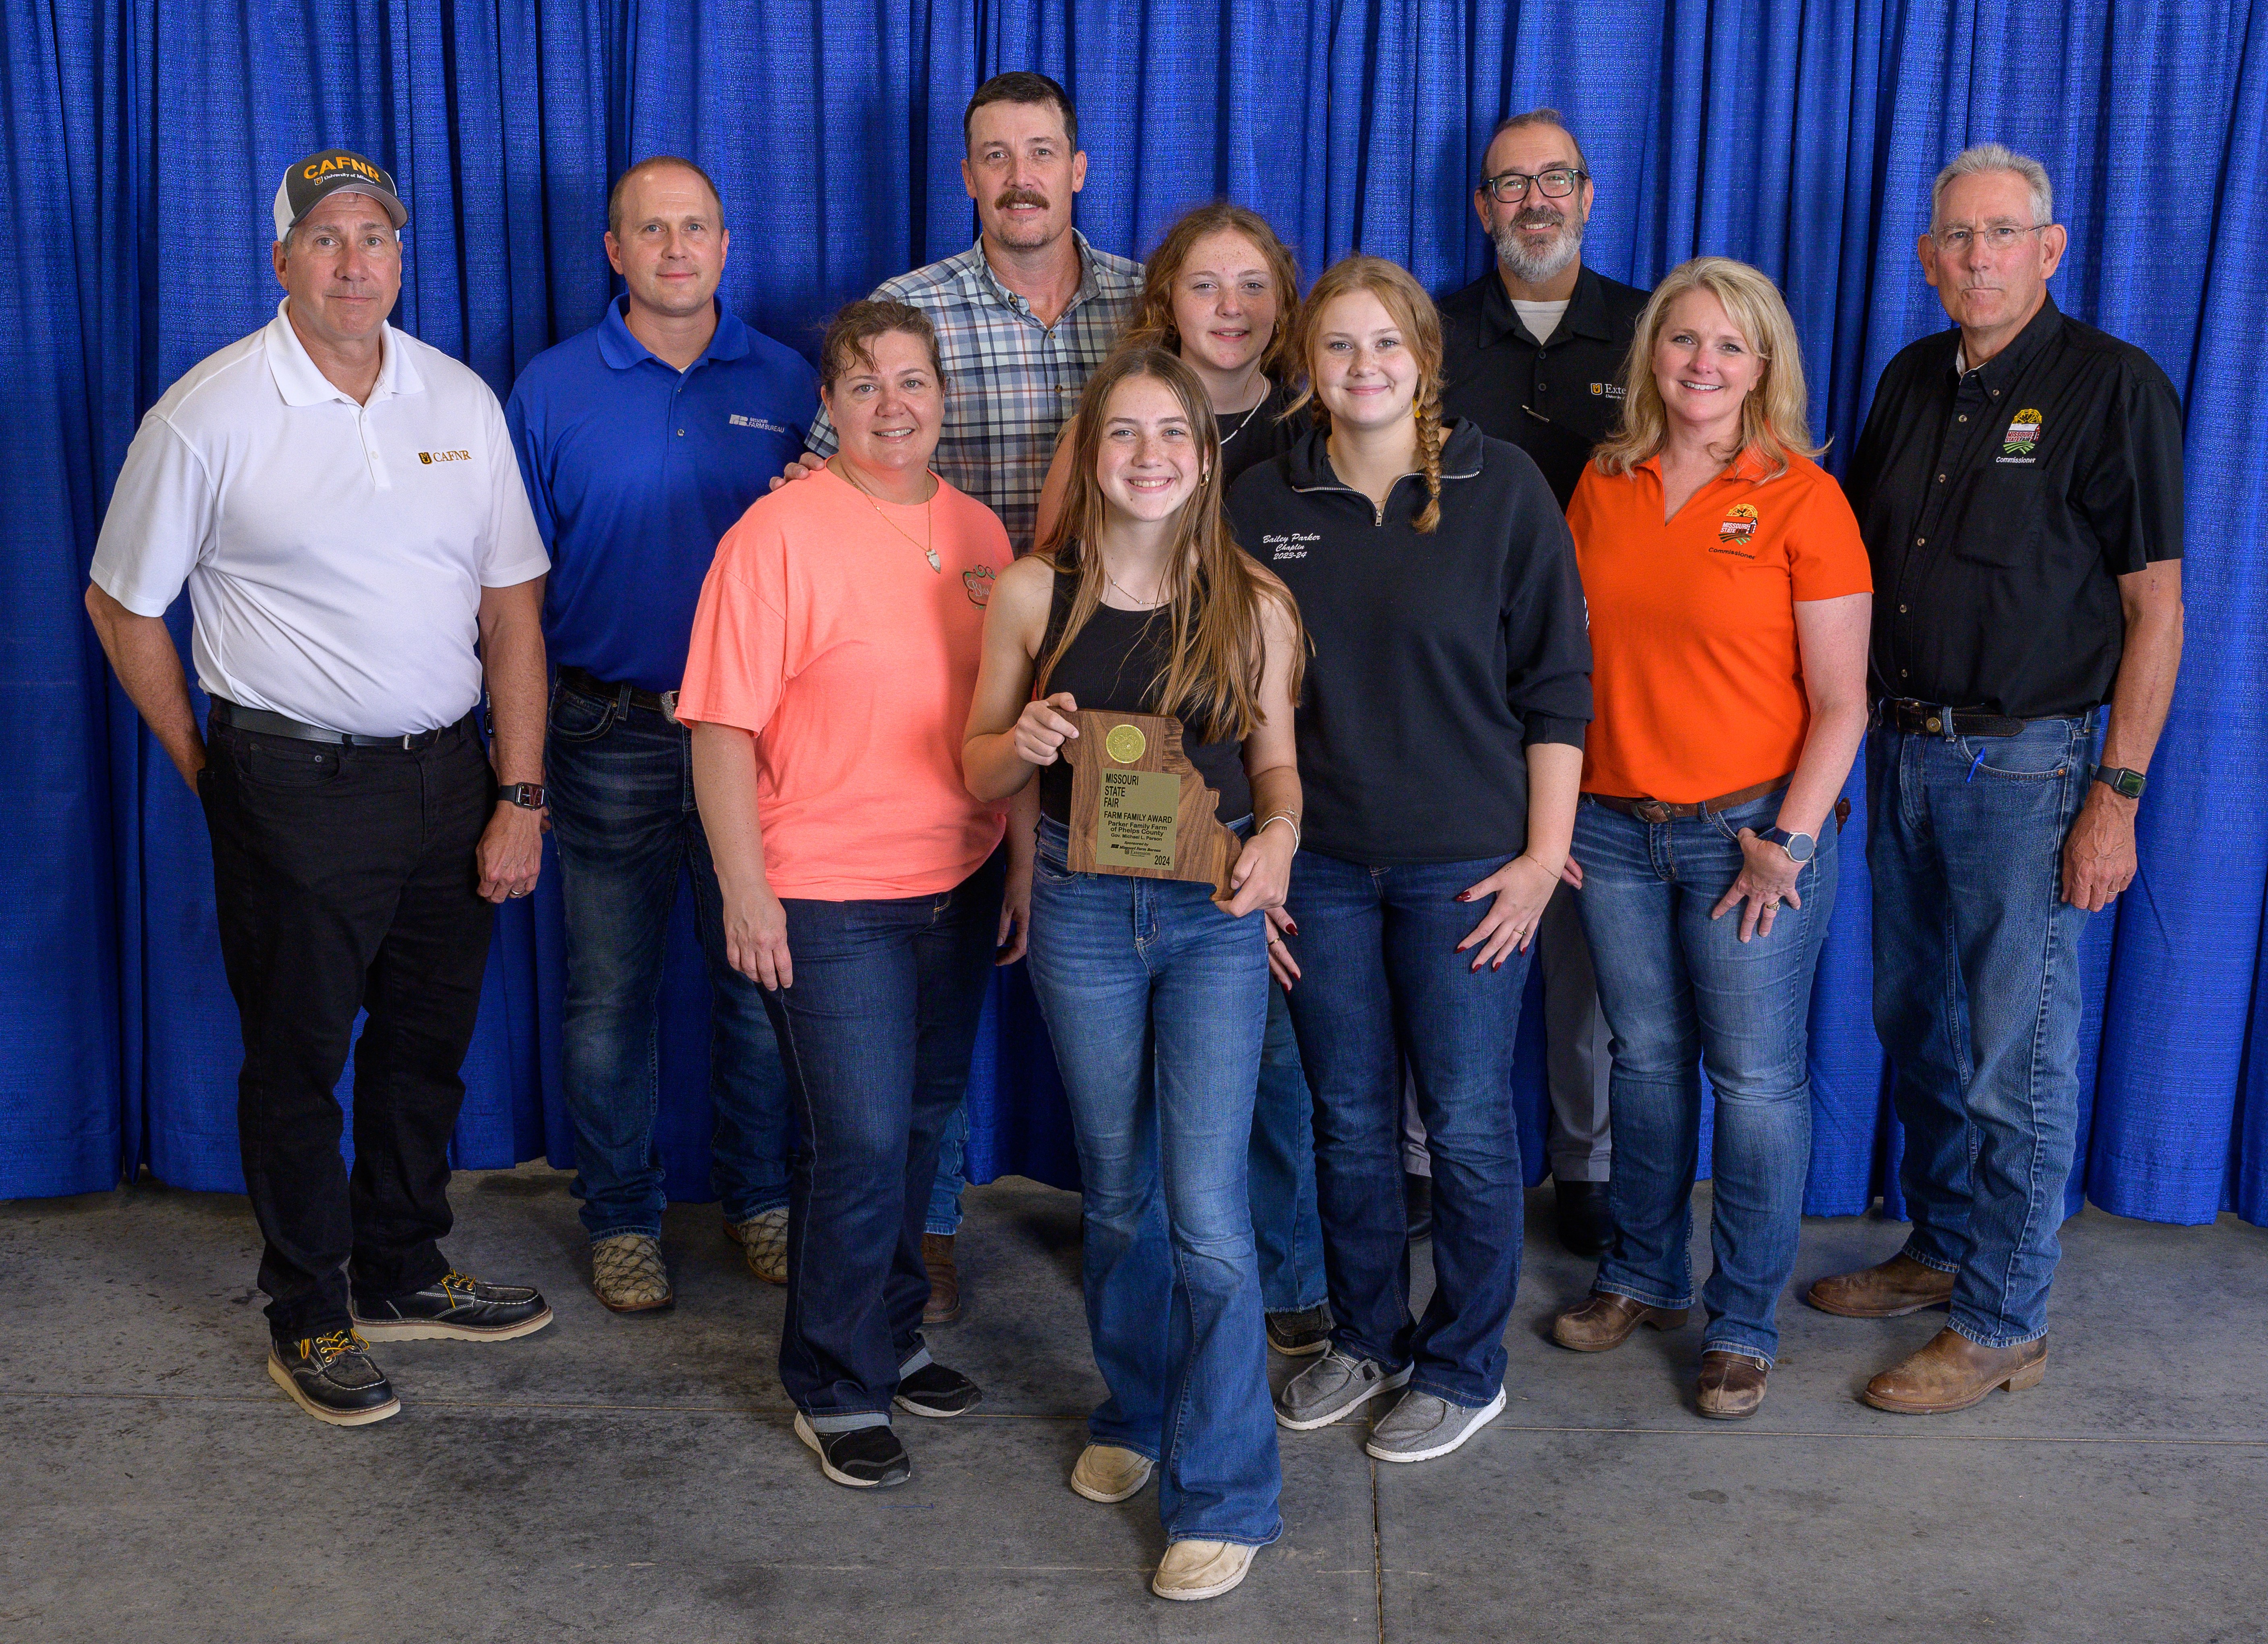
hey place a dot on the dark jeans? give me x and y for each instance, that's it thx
(1381, 983)
(1977, 999)
(624, 815)
(876, 1032)
(345, 881)
(1281, 1172)
(1683, 992)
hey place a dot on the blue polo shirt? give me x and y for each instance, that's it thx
(636, 469)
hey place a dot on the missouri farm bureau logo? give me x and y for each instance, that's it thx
(431, 457)
(1740, 524)
(2023, 434)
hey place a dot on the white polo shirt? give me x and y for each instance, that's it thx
(335, 553)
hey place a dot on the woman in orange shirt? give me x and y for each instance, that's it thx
(833, 654)
(1730, 601)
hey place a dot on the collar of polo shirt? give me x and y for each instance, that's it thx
(302, 383)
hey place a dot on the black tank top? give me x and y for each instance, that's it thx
(1110, 666)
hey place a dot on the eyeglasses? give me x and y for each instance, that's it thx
(1996, 236)
(1509, 188)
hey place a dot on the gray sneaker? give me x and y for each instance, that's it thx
(1422, 1427)
(1331, 1387)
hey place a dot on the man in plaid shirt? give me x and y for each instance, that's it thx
(1023, 317)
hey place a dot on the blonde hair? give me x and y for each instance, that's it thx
(1152, 322)
(1405, 302)
(1213, 589)
(1773, 416)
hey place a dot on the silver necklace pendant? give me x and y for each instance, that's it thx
(935, 563)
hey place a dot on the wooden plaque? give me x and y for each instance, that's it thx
(1138, 806)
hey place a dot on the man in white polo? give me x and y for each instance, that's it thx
(343, 503)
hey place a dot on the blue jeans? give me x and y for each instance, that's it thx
(1281, 1172)
(1680, 992)
(876, 1031)
(1381, 980)
(1157, 1003)
(1977, 999)
(623, 817)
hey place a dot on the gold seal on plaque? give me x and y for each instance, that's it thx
(1125, 744)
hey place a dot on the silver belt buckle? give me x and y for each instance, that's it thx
(669, 705)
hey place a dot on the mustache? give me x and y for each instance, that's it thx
(1540, 217)
(1021, 196)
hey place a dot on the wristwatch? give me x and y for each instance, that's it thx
(527, 796)
(1798, 847)
(2120, 781)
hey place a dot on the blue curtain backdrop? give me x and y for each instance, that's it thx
(143, 144)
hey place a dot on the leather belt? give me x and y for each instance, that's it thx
(1662, 811)
(584, 683)
(262, 722)
(1932, 719)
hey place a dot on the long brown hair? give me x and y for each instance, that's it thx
(1213, 589)
(1405, 301)
(1152, 322)
(1773, 418)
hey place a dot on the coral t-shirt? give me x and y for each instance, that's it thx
(824, 631)
(1696, 674)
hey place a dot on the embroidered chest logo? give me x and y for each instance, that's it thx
(979, 583)
(431, 457)
(2023, 434)
(1736, 530)
(1606, 390)
(1292, 547)
(735, 420)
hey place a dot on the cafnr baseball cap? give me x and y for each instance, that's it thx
(332, 171)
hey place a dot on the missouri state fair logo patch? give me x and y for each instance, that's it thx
(2023, 434)
(1736, 532)
(979, 582)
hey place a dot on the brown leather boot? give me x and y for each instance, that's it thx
(1888, 1289)
(1952, 1373)
(944, 1306)
(1732, 1384)
(1601, 1322)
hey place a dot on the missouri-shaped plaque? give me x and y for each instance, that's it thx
(1138, 806)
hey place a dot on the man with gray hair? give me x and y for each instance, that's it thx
(342, 503)
(1532, 352)
(2019, 482)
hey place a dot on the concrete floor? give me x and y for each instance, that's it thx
(633, 1478)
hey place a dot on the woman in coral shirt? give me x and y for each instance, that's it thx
(833, 657)
(1730, 599)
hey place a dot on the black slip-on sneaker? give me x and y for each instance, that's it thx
(455, 1307)
(865, 1458)
(1299, 1334)
(332, 1378)
(935, 1391)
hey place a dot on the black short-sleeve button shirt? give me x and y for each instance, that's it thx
(2000, 506)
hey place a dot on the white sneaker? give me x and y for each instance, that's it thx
(1110, 1472)
(1201, 1569)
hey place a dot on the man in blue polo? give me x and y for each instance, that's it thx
(643, 440)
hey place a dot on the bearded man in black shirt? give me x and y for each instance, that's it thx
(1533, 352)
(2019, 483)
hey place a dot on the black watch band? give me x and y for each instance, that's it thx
(2121, 781)
(527, 796)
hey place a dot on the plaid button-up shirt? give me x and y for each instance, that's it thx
(1010, 382)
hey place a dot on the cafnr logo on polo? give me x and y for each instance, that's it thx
(430, 457)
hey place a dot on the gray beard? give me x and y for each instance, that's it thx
(1535, 268)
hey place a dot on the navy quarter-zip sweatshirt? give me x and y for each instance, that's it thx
(1438, 657)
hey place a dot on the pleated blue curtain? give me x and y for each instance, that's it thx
(143, 145)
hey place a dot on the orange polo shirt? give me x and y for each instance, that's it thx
(1695, 674)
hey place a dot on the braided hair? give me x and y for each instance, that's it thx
(1397, 289)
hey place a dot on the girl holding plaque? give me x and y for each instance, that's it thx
(1441, 743)
(1222, 291)
(1137, 602)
